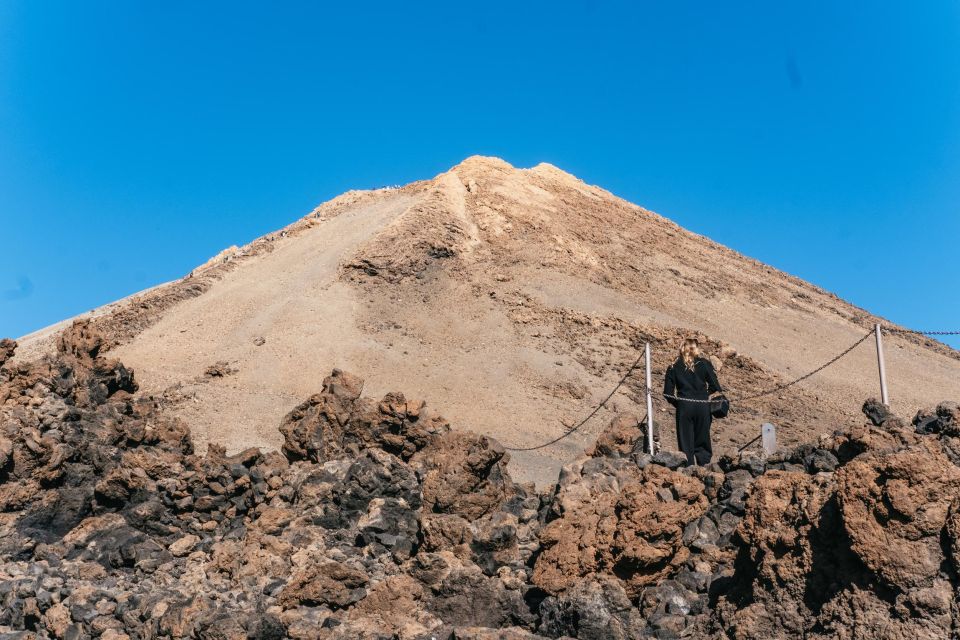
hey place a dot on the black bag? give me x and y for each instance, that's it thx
(719, 406)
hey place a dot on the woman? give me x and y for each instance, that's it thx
(692, 377)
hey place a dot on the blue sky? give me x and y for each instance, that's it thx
(139, 139)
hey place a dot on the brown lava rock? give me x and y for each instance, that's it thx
(377, 520)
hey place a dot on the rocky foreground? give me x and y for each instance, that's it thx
(376, 520)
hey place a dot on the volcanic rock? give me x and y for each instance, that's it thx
(463, 474)
(377, 520)
(7, 349)
(617, 520)
(899, 501)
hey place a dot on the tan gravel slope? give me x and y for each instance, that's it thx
(512, 299)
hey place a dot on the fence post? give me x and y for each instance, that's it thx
(646, 356)
(768, 438)
(883, 370)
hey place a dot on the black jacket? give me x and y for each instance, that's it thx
(697, 384)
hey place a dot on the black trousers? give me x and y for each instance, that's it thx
(693, 431)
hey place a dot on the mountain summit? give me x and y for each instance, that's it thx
(514, 299)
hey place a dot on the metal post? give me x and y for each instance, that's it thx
(883, 370)
(649, 400)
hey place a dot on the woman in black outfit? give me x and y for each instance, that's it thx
(692, 377)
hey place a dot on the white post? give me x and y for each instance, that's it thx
(883, 370)
(768, 438)
(649, 401)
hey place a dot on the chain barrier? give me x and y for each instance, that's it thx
(772, 390)
(921, 333)
(596, 409)
(787, 385)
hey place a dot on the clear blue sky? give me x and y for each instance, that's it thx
(138, 139)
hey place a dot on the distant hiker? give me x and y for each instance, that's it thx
(692, 377)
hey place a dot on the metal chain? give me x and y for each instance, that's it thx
(694, 400)
(921, 333)
(596, 409)
(786, 385)
(812, 373)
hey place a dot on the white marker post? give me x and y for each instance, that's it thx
(883, 370)
(768, 439)
(646, 355)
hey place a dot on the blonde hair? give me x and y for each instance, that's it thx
(689, 352)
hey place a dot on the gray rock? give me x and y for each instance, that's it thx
(706, 535)
(642, 459)
(592, 610)
(820, 460)
(665, 495)
(728, 524)
(391, 523)
(752, 463)
(738, 479)
(695, 581)
(737, 501)
(876, 411)
(670, 459)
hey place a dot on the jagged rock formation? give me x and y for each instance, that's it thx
(376, 520)
(859, 552)
(111, 525)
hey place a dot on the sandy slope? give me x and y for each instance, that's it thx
(510, 300)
